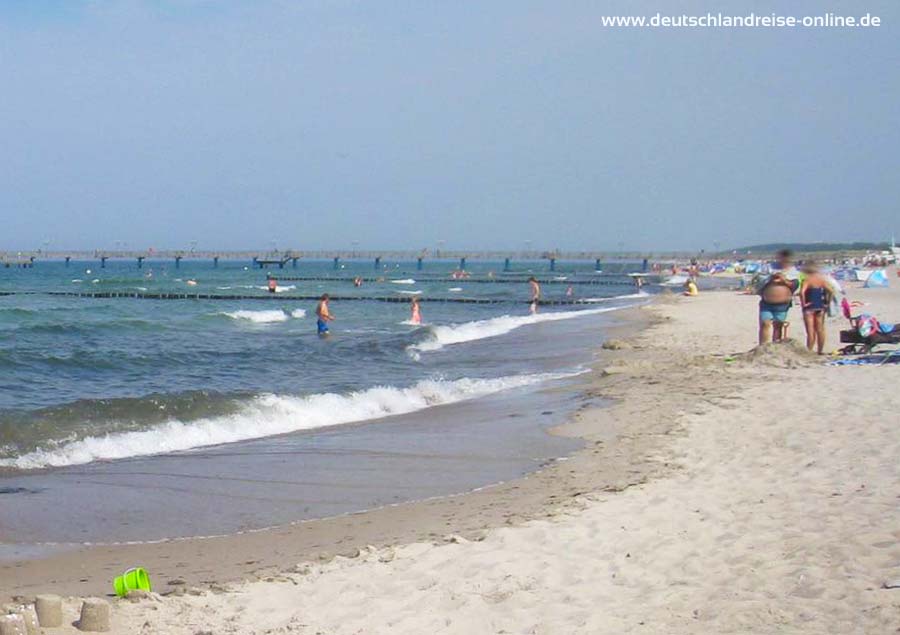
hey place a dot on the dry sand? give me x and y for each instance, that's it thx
(753, 495)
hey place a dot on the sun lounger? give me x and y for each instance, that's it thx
(858, 343)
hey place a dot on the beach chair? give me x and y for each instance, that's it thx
(847, 310)
(856, 343)
(865, 332)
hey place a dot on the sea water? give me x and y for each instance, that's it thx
(107, 384)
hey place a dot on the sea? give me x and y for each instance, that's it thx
(143, 403)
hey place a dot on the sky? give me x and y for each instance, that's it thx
(504, 124)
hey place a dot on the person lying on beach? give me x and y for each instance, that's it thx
(323, 314)
(776, 298)
(815, 296)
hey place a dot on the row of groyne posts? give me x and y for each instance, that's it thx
(281, 298)
(282, 259)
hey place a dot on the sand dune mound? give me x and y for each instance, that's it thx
(786, 354)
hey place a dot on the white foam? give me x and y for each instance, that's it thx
(417, 292)
(269, 415)
(265, 316)
(278, 288)
(630, 296)
(674, 281)
(446, 335)
(403, 281)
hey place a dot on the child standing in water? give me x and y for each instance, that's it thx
(415, 316)
(323, 314)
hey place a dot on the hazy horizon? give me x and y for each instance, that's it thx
(508, 125)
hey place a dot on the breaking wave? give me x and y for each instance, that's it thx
(265, 316)
(268, 415)
(445, 335)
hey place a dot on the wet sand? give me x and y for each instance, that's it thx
(301, 476)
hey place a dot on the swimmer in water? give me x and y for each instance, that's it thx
(357, 282)
(535, 293)
(273, 285)
(415, 315)
(323, 314)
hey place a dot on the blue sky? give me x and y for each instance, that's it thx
(500, 124)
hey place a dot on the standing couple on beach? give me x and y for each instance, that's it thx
(777, 297)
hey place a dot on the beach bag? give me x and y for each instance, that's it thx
(868, 325)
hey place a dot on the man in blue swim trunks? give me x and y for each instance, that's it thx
(776, 297)
(323, 314)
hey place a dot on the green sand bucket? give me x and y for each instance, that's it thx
(135, 579)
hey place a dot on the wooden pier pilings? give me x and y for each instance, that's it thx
(280, 258)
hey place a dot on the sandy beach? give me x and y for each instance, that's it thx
(719, 491)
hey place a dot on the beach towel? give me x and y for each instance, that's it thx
(867, 360)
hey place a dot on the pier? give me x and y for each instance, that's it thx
(282, 258)
(18, 262)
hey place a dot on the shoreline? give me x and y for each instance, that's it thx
(249, 554)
